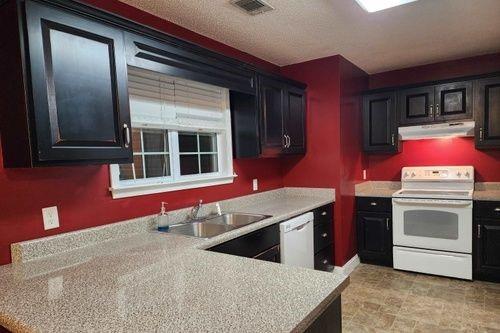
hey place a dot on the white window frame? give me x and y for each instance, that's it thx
(176, 182)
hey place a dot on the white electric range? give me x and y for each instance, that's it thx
(432, 221)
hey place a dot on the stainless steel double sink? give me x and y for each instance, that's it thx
(214, 225)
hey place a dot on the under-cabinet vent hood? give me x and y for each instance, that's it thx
(435, 131)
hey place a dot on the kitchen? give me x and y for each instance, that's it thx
(111, 110)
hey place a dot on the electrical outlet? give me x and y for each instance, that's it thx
(255, 185)
(50, 218)
(364, 174)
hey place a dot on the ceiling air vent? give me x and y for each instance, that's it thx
(252, 7)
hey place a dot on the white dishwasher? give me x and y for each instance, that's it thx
(297, 241)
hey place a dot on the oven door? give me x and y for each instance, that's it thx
(433, 224)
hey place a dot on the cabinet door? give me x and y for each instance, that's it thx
(416, 106)
(453, 101)
(295, 116)
(487, 256)
(79, 85)
(379, 123)
(487, 110)
(375, 238)
(272, 255)
(272, 98)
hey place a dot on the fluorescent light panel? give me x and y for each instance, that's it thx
(376, 5)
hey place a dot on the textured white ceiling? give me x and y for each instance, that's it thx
(421, 32)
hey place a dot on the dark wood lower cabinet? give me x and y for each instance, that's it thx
(330, 321)
(374, 231)
(254, 244)
(487, 249)
(323, 238)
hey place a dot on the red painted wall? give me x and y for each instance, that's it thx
(81, 193)
(457, 151)
(334, 157)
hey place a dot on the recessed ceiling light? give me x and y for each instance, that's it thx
(376, 5)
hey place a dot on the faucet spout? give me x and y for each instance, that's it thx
(194, 211)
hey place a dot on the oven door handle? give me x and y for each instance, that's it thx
(453, 203)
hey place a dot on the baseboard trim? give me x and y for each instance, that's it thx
(349, 266)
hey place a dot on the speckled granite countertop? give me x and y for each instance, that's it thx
(383, 189)
(487, 191)
(150, 281)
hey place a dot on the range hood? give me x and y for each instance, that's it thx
(435, 131)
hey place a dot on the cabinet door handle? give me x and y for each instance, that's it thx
(478, 231)
(373, 203)
(387, 223)
(323, 213)
(289, 141)
(437, 109)
(325, 262)
(431, 110)
(481, 134)
(285, 141)
(126, 131)
(324, 235)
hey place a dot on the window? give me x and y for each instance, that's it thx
(181, 136)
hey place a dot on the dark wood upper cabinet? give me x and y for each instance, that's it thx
(487, 112)
(282, 117)
(379, 123)
(437, 103)
(64, 96)
(272, 98)
(453, 101)
(295, 120)
(416, 105)
(79, 80)
(77, 101)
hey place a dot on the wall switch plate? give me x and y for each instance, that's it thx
(364, 174)
(255, 185)
(50, 218)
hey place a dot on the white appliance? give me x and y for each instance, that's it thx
(297, 241)
(432, 221)
(465, 128)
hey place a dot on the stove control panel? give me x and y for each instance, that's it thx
(438, 173)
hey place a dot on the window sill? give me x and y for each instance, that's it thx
(145, 189)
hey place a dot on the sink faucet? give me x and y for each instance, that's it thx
(193, 214)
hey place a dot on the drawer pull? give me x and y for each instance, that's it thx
(323, 213)
(387, 224)
(478, 231)
(497, 209)
(373, 203)
(324, 235)
(325, 262)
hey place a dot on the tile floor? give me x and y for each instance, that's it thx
(381, 299)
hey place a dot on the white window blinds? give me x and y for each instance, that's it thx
(162, 101)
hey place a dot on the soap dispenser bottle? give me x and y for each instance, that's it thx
(163, 218)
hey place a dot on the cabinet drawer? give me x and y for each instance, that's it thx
(322, 236)
(488, 209)
(373, 204)
(252, 244)
(323, 260)
(323, 214)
